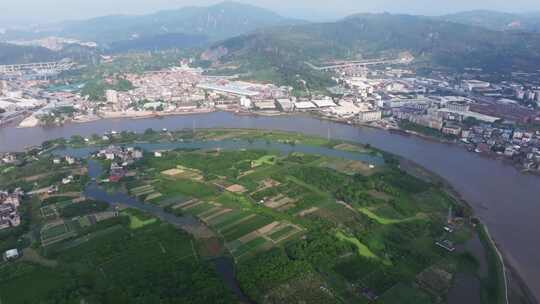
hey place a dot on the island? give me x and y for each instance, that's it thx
(229, 215)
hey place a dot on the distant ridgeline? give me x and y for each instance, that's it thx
(276, 47)
(435, 42)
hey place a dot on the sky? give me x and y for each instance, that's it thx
(24, 12)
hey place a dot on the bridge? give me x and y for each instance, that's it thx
(38, 68)
(360, 64)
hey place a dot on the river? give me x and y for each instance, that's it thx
(506, 200)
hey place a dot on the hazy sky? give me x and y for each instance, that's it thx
(25, 11)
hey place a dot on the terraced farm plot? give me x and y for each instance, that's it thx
(57, 232)
(200, 208)
(142, 190)
(168, 201)
(245, 227)
(208, 216)
(282, 233)
(230, 217)
(251, 247)
(279, 202)
(49, 212)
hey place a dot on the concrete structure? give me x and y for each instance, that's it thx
(285, 105)
(246, 103)
(112, 96)
(304, 105)
(228, 88)
(470, 85)
(368, 116)
(11, 254)
(461, 115)
(265, 105)
(324, 103)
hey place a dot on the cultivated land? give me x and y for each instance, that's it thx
(299, 227)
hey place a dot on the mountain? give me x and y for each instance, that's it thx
(497, 21)
(430, 41)
(216, 22)
(158, 42)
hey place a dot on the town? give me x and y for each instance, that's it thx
(498, 119)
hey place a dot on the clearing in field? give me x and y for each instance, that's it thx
(386, 221)
(236, 189)
(279, 202)
(350, 167)
(137, 223)
(183, 172)
(350, 148)
(265, 160)
(307, 211)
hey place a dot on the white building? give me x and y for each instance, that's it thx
(112, 97)
(368, 116)
(285, 104)
(246, 103)
(11, 254)
(470, 85)
(304, 105)
(324, 102)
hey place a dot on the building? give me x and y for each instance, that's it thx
(11, 254)
(267, 105)
(246, 103)
(112, 96)
(459, 106)
(471, 85)
(285, 105)
(460, 115)
(3, 87)
(324, 103)
(368, 116)
(451, 130)
(304, 105)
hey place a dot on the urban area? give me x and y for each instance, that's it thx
(496, 118)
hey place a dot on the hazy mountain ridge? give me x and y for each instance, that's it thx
(219, 21)
(434, 41)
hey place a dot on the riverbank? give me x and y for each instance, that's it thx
(137, 115)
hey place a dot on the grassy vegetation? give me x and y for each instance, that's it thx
(363, 250)
(493, 285)
(383, 220)
(136, 222)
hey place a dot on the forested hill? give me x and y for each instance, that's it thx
(431, 41)
(498, 21)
